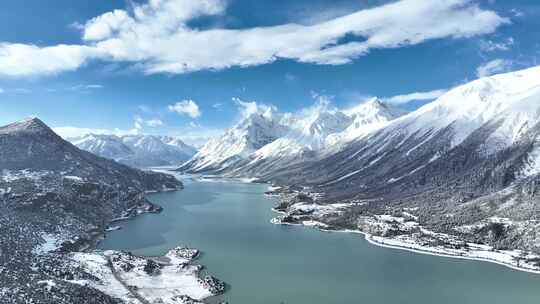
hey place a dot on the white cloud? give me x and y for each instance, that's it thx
(290, 77)
(156, 122)
(106, 25)
(94, 86)
(72, 132)
(218, 106)
(85, 87)
(248, 108)
(1, 91)
(19, 60)
(188, 107)
(138, 123)
(491, 46)
(157, 37)
(493, 67)
(405, 98)
(199, 135)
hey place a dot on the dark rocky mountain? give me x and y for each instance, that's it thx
(56, 198)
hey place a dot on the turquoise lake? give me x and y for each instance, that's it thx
(265, 263)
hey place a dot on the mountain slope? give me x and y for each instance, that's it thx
(249, 135)
(137, 150)
(366, 117)
(288, 138)
(109, 146)
(467, 158)
(56, 197)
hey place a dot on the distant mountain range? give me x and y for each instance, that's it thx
(137, 150)
(470, 157)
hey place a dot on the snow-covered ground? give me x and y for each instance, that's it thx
(171, 279)
(50, 243)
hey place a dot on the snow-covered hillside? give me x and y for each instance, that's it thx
(511, 99)
(493, 119)
(281, 138)
(366, 117)
(108, 146)
(246, 137)
(137, 150)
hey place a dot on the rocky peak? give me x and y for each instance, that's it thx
(31, 126)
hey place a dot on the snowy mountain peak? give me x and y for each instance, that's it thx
(271, 135)
(246, 137)
(511, 99)
(31, 125)
(366, 117)
(374, 110)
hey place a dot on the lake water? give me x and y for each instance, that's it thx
(266, 263)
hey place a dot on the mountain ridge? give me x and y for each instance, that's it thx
(287, 136)
(137, 150)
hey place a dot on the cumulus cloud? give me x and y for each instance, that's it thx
(248, 108)
(188, 107)
(405, 98)
(157, 37)
(493, 67)
(19, 60)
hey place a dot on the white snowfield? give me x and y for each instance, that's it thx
(532, 167)
(50, 243)
(508, 258)
(513, 99)
(173, 281)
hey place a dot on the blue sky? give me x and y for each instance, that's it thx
(177, 66)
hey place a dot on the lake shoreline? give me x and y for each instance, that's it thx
(379, 241)
(91, 252)
(384, 242)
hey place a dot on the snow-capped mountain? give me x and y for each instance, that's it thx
(109, 146)
(271, 140)
(246, 137)
(137, 150)
(495, 113)
(366, 117)
(469, 158)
